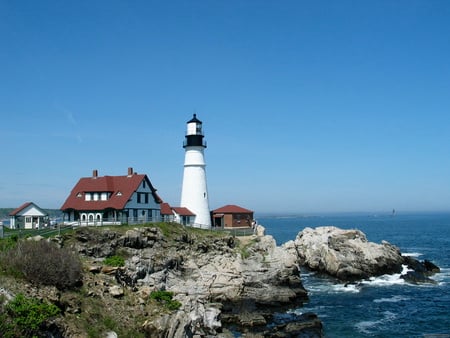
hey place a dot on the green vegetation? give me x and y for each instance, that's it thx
(114, 261)
(245, 250)
(24, 262)
(8, 243)
(165, 297)
(24, 317)
(42, 263)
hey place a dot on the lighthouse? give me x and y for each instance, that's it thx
(194, 192)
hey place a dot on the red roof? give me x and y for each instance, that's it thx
(182, 211)
(121, 189)
(166, 209)
(232, 209)
(19, 209)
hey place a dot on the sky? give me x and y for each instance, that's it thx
(307, 106)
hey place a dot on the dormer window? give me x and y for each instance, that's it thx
(79, 195)
(119, 193)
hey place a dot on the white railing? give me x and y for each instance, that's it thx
(110, 221)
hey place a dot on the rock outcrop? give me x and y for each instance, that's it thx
(218, 281)
(345, 254)
(419, 272)
(349, 256)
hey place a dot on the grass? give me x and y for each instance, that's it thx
(45, 232)
(114, 261)
(165, 298)
(244, 249)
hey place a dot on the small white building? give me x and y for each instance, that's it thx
(179, 215)
(28, 216)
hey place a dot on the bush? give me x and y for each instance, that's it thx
(44, 263)
(8, 243)
(165, 297)
(25, 316)
(114, 261)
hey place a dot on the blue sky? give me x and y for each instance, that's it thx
(307, 106)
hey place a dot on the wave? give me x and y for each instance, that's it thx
(393, 299)
(329, 287)
(350, 288)
(442, 277)
(368, 326)
(412, 254)
(387, 280)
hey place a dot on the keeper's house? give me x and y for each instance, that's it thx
(232, 216)
(28, 216)
(101, 200)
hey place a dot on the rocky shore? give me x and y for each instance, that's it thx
(349, 256)
(219, 282)
(222, 284)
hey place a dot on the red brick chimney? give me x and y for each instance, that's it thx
(94, 173)
(130, 171)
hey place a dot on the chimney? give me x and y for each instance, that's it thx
(130, 171)
(95, 173)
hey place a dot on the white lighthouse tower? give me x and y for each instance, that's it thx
(194, 193)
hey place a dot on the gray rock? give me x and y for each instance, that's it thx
(116, 291)
(345, 254)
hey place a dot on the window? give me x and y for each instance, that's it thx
(27, 219)
(143, 184)
(146, 198)
(139, 197)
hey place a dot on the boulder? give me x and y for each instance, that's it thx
(306, 325)
(345, 254)
(420, 271)
(116, 291)
(415, 277)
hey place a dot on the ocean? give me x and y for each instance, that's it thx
(385, 306)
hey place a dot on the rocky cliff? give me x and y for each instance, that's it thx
(218, 282)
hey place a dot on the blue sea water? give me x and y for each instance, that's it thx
(385, 306)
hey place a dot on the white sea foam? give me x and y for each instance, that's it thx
(351, 288)
(387, 280)
(412, 254)
(443, 277)
(368, 325)
(393, 299)
(332, 288)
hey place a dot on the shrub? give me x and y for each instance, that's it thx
(165, 297)
(25, 316)
(8, 243)
(114, 261)
(44, 263)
